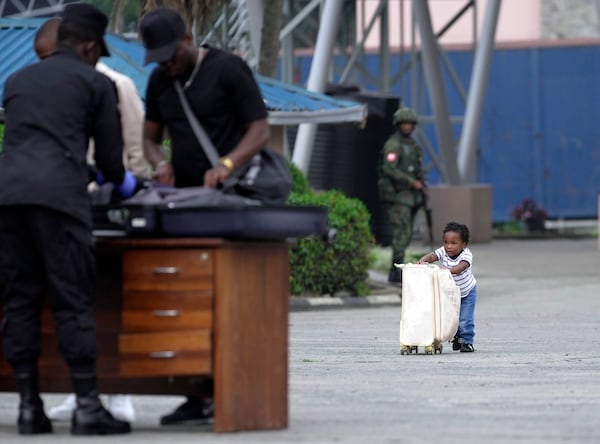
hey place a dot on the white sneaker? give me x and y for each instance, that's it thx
(121, 407)
(64, 410)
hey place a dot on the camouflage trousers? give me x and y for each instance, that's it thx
(402, 219)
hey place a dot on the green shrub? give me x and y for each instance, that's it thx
(320, 267)
(300, 183)
(1, 136)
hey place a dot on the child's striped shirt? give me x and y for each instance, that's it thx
(465, 280)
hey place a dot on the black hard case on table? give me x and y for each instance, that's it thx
(241, 222)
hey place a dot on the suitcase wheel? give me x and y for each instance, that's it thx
(408, 349)
(429, 349)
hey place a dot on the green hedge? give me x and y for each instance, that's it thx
(320, 267)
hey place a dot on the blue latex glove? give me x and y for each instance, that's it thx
(128, 186)
(100, 179)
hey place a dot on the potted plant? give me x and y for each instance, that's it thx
(530, 214)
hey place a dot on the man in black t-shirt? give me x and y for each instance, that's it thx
(222, 93)
(225, 98)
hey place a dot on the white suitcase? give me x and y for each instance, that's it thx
(430, 308)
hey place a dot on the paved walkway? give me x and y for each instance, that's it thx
(535, 377)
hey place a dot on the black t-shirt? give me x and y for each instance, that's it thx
(224, 97)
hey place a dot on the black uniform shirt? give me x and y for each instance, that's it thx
(224, 97)
(52, 109)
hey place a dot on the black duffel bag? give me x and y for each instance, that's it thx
(266, 178)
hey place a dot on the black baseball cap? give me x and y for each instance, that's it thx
(90, 19)
(161, 30)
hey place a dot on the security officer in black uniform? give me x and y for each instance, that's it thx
(46, 249)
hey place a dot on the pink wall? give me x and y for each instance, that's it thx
(519, 20)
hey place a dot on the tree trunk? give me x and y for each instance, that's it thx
(269, 41)
(115, 24)
(179, 5)
(198, 14)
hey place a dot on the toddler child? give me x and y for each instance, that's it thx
(456, 256)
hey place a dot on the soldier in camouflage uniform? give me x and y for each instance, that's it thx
(402, 184)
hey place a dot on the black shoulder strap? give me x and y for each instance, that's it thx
(207, 145)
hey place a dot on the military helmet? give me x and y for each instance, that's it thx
(405, 115)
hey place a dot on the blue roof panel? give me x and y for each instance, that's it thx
(287, 104)
(285, 97)
(16, 47)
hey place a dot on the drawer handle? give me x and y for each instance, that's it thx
(166, 270)
(162, 355)
(166, 313)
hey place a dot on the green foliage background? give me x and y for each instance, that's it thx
(131, 12)
(320, 267)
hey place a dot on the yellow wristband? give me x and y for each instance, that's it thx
(227, 163)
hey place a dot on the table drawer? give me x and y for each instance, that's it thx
(165, 320)
(166, 354)
(167, 300)
(151, 311)
(168, 270)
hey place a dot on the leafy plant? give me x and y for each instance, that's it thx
(300, 184)
(318, 266)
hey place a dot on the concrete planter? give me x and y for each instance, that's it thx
(466, 204)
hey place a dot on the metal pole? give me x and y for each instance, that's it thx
(413, 56)
(255, 9)
(287, 58)
(384, 48)
(293, 23)
(467, 147)
(317, 78)
(437, 94)
(402, 52)
(360, 47)
(407, 66)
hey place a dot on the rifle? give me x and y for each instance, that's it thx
(428, 217)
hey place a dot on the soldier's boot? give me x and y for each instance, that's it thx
(90, 417)
(395, 275)
(32, 418)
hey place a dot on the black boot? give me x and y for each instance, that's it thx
(32, 418)
(395, 276)
(90, 417)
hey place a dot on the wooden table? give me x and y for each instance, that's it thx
(172, 312)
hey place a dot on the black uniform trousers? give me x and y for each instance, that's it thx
(47, 253)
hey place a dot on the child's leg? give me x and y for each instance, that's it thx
(466, 323)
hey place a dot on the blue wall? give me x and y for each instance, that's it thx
(540, 133)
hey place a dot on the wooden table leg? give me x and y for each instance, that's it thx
(251, 338)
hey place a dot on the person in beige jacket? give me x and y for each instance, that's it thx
(132, 122)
